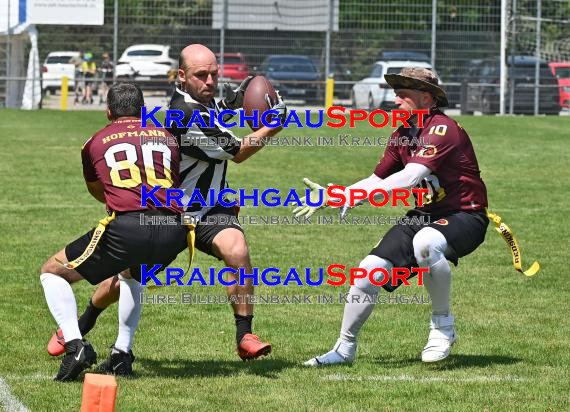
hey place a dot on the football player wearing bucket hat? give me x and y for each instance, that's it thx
(441, 159)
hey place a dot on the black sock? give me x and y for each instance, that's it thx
(88, 319)
(243, 326)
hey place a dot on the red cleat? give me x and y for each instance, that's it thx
(55, 345)
(251, 347)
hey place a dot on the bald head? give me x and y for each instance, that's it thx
(198, 72)
(196, 55)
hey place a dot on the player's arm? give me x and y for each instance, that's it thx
(97, 190)
(409, 176)
(255, 141)
(389, 164)
(220, 144)
(94, 185)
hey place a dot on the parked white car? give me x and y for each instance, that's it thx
(146, 63)
(373, 92)
(55, 67)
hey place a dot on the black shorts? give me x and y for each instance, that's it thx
(213, 222)
(463, 231)
(126, 244)
(89, 78)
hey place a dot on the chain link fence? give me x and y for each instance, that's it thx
(297, 43)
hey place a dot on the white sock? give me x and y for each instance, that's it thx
(61, 303)
(355, 314)
(438, 285)
(361, 302)
(129, 312)
(429, 249)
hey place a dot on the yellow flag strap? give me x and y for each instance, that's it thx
(191, 240)
(509, 237)
(97, 234)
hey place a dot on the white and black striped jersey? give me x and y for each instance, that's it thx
(205, 151)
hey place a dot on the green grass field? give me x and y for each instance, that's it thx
(514, 334)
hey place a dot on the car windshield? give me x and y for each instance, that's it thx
(376, 71)
(394, 70)
(289, 66)
(563, 72)
(231, 60)
(144, 53)
(58, 59)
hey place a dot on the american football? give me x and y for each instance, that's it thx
(254, 99)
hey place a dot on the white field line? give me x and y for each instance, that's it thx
(34, 377)
(431, 379)
(8, 401)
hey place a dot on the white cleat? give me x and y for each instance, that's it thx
(334, 357)
(441, 338)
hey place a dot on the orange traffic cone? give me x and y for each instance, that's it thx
(99, 393)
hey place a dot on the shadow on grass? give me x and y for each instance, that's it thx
(453, 362)
(180, 368)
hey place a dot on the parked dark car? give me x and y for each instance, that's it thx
(341, 74)
(483, 88)
(452, 84)
(293, 75)
(405, 55)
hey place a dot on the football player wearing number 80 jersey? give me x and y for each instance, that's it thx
(115, 167)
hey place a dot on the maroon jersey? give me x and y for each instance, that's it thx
(116, 157)
(445, 148)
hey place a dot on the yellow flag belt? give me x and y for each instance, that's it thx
(508, 236)
(98, 234)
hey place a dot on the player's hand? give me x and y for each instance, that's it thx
(233, 98)
(280, 107)
(314, 197)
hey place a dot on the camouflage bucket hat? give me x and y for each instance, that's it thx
(418, 78)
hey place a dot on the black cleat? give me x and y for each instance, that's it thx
(79, 355)
(118, 363)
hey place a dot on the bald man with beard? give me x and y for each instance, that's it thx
(204, 167)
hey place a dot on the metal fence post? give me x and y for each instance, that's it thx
(503, 53)
(8, 53)
(433, 31)
(115, 39)
(513, 53)
(223, 44)
(537, 63)
(463, 97)
(328, 54)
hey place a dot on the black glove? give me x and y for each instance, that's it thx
(233, 98)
